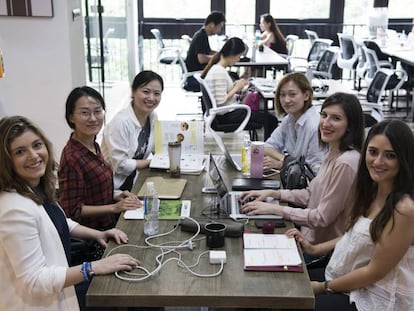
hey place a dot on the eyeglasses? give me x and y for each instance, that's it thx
(86, 114)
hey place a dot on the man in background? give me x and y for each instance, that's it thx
(199, 52)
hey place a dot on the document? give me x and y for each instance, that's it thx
(191, 135)
(168, 210)
(271, 252)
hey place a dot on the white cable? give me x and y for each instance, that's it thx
(165, 249)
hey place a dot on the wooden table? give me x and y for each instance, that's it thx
(174, 286)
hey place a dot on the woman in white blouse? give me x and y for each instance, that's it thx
(373, 263)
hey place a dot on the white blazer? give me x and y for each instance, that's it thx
(32, 259)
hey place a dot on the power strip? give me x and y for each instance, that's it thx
(185, 208)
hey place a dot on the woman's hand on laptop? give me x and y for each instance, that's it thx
(260, 195)
(261, 208)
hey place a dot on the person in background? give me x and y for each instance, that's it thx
(297, 134)
(34, 231)
(128, 140)
(373, 262)
(271, 35)
(199, 53)
(86, 187)
(225, 91)
(341, 128)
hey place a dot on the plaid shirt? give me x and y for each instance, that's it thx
(85, 179)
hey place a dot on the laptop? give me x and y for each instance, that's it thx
(229, 201)
(233, 159)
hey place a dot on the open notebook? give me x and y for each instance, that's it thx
(192, 145)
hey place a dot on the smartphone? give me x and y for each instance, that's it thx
(208, 190)
(270, 172)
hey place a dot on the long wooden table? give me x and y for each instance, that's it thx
(174, 286)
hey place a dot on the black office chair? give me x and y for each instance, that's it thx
(348, 56)
(327, 67)
(210, 112)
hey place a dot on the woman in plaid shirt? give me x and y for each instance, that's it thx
(85, 179)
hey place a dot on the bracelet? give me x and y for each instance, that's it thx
(328, 290)
(87, 271)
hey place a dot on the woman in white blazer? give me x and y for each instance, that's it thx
(34, 231)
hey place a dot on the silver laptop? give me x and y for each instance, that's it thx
(229, 200)
(234, 159)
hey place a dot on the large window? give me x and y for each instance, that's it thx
(401, 9)
(240, 19)
(300, 9)
(176, 9)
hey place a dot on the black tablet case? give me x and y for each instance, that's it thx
(244, 184)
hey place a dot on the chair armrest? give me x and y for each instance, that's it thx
(224, 109)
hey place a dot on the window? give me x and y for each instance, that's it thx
(240, 19)
(300, 9)
(176, 9)
(401, 9)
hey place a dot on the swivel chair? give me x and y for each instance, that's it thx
(312, 36)
(210, 111)
(315, 53)
(167, 55)
(348, 56)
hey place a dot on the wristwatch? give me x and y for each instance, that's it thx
(328, 290)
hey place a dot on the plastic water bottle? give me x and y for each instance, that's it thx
(245, 155)
(151, 206)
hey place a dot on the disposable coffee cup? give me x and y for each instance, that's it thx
(174, 155)
(215, 234)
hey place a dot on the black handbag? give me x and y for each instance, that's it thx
(296, 173)
(84, 250)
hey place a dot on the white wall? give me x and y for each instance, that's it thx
(44, 60)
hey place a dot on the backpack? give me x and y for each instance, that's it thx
(295, 173)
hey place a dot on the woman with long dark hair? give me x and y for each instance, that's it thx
(271, 35)
(373, 263)
(225, 90)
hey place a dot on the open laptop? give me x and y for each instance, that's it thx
(234, 159)
(229, 200)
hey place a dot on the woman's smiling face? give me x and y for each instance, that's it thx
(147, 98)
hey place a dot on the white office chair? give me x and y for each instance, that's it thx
(211, 111)
(348, 56)
(167, 55)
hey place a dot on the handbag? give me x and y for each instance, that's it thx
(295, 173)
(84, 250)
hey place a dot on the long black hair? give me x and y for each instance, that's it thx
(233, 46)
(401, 139)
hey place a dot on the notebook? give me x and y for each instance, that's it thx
(167, 188)
(229, 201)
(192, 145)
(245, 184)
(271, 252)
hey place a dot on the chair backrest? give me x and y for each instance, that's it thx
(317, 49)
(157, 34)
(349, 48)
(208, 101)
(327, 62)
(312, 35)
(372, 61)
(378, 84)
(290, 43)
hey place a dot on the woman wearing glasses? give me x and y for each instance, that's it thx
(85, 180)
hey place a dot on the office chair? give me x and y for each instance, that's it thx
(348, 56)
(312, 36)
(327, 67)
(315, 53)
(385, 79)
(167, 55)
(210, 111)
